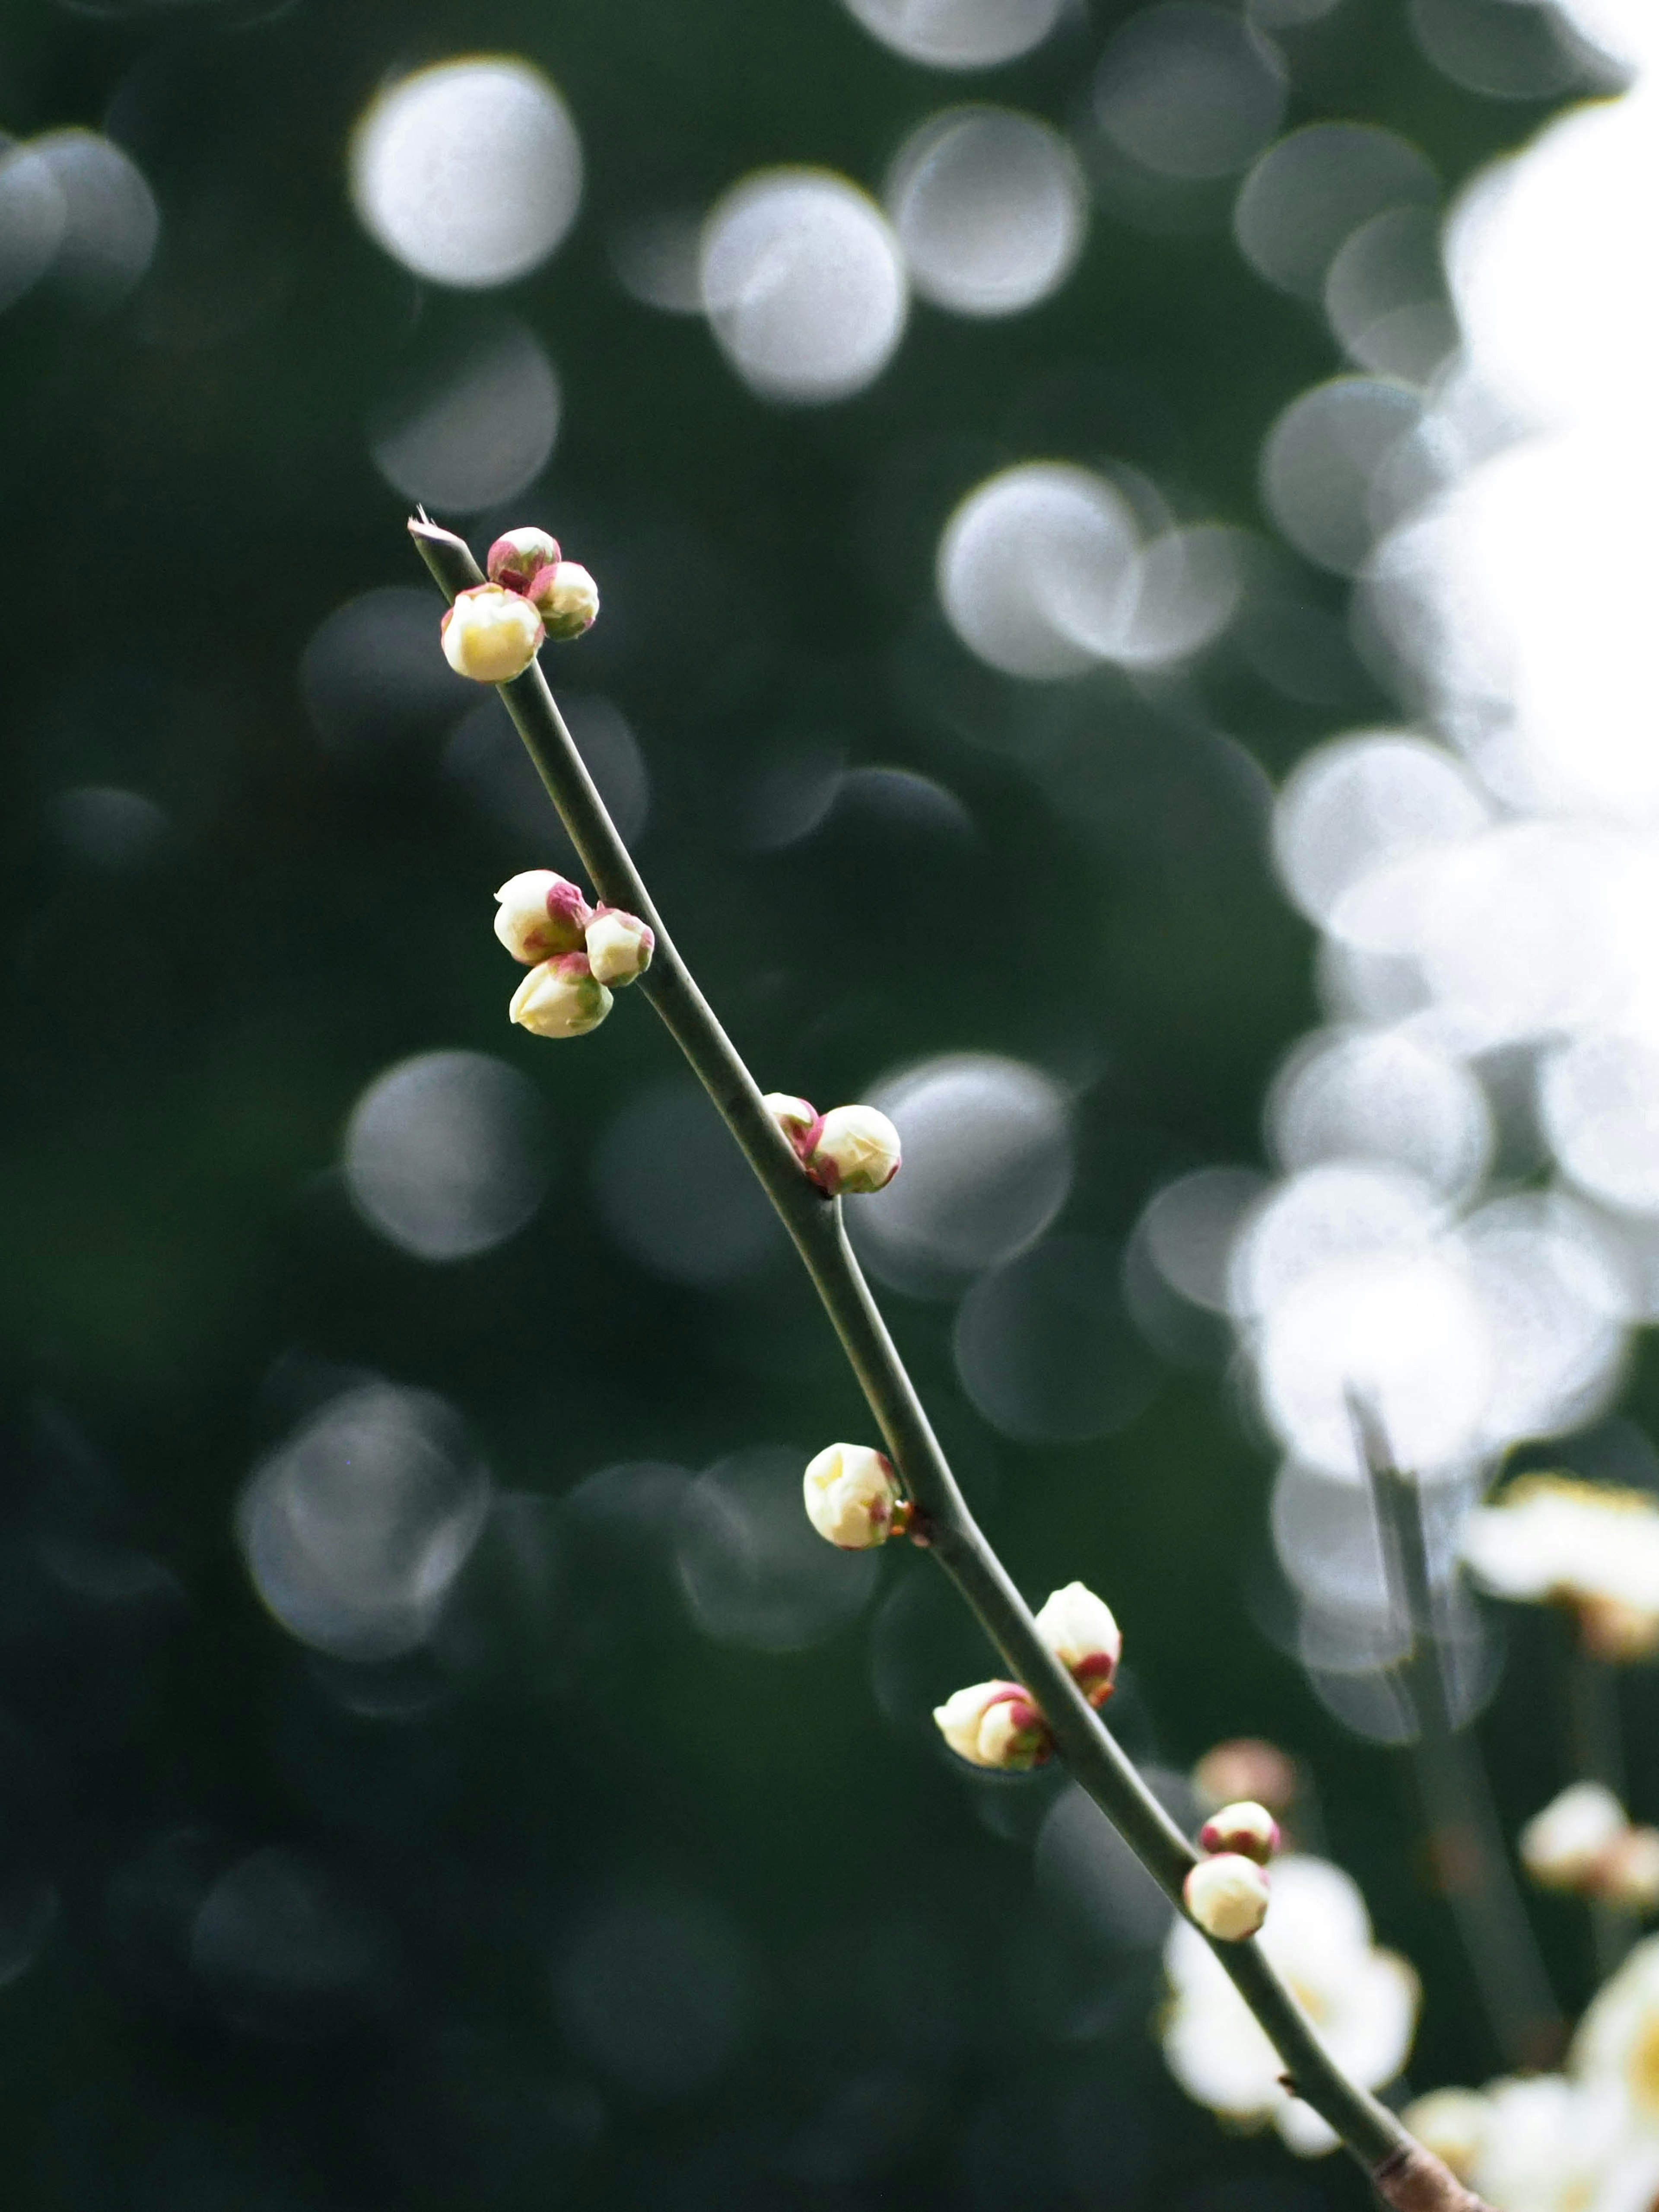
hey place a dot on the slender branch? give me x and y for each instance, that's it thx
(1403, 2174)
(1465, 1837)
(1598, 1756)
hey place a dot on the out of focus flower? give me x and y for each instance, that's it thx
(1616, 2050)
(566, 599)
(1586, 1545)
(490, 634)
(561, 997)
(797, 1118)
(1078, 1628)
(1245, 1767)
(539, 914)
(856, 1149)
(853, 1496)
(1452, 2124)
(1227, 1895)
(619, 945)
(519, 556)
(1362, 2001)
(995, 1724)
(1548, 2145)
(1563, 1846)
(1245, 1827)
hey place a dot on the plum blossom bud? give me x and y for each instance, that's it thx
(518, 556)
(797, 1118)
(539, 914)
(1564, 1846)
(1078, 1627)
(856, 1149)
(1245, 1766)
(853, 1497)
(1227, 1896)
(565, 598)
(619, 945)
(490, 634)
(1250, 1830)
(1628, 1875)
(561, 997)
(995, 1724)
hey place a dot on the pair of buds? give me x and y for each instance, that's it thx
(850, 1148)
(1583, 1843)
(494, 631)
(575, 953)
(1226, 1892)
(999, 1725)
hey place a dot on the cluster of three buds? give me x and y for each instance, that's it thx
(494, 631)
(574, 952)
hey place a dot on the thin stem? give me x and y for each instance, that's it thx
(1403, 2173)
(1465, 1835)
(1598, 1756)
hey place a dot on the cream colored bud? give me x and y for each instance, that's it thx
(856, 1149)
(853, 1496)
(1250, 1830)
(490, 634)
(1563, 1846)
(797, 1118)
(1452, 2124)
(995, 1724)
(1078, 1628)
(566, 599)
(561, 999)
(539, 914)
(619, 945)
(518, 557)
(1227, 1896)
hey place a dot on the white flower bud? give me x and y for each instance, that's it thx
(566, 599)
(1628, 1874)
(856, 1149)
(1250, 1830)
(995, 1724)
(1078, 1627)
(1452, 2124)
(518, 556)
(490, 634)
(1563, 1846)
(797, 1118)
(539, 914)
(561, 999)
(853, 1497)
(619, 945)
(1227, 1896)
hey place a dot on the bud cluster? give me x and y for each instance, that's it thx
(850, 1148)
(494, 631)
(575, 953)
(1226, 1892)
(1583, 1843)
(999, 1724)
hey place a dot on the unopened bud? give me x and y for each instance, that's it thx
(797, 1118)
(561, 997)
(856, 1149)
(1452, 2124)
(853, 1497)
(619, 945)
(1227, 1896)
(1250, 1830)
(1078, 1628)
(565, 598)
(1628, 1875)
(490, 634)
(518, 557)
(1563, 1846)
(1245, 1766)
(995, 1724)
(539, 914)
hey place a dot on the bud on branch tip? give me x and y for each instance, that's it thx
(490, 634)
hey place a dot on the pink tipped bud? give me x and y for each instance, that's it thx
(619, 945)
(517, 557)
(561, 999)
(1250, 1830)
(565, 598)
(1078, 1627)
(853, 1497)
(1227, 1896)
(539, 914)
(1245, 1766)
(995, 1724)
(1564, 1847)
(856, 1149)
(797, 1118)
(490, 634)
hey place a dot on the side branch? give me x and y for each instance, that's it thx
(1371, 2132)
